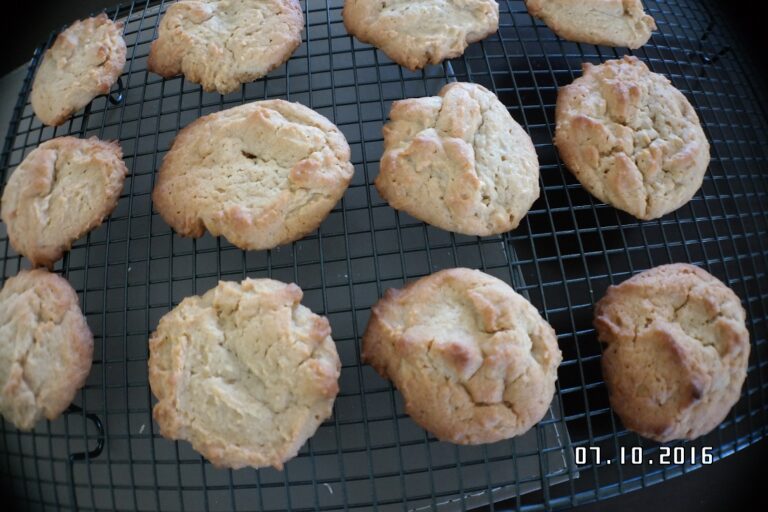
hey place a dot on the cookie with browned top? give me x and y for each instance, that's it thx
(631, 138)
(604, 22)
(474, 360)
(675, 353)
(415, 33)
(221, 44)
(245, 373)
(262, 174)
(45, 347)
(84, 62)
(459, 161)
(62, 190)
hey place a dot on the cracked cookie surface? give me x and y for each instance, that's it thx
(631, 138)
(415, 33)
(262, 174)
(603, 22)
(245, 373)
(458, 161)
(221, 44)
(45, 347)
(474, 360)
(62, 190)
(675, 351)
(85, 61)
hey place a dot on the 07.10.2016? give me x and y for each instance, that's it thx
(635, 455)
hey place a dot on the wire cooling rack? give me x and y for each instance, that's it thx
(106, 454)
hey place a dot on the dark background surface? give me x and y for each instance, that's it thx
(735, 483)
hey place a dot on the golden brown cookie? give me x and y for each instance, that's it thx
(603, 22)
(62, 190)
(631, 138)
(474, 360)
(85, 61)
(676, 351)
(262, 174)
(245, 373)
(221, 44)
(46, 347)
(415, 33)
(459, 161)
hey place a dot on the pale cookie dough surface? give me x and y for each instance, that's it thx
(675, 351)
(415, 33)
(45, 347)
(84, 62)
(458, 161)
(474, 360)
(221, 44)
(262, 174)
(604, 22)
(62, 190)
(631, 138)
(245, 373)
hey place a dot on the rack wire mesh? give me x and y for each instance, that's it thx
(106, 454)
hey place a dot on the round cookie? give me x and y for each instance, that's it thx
(221, 44)
(415, 33)
(631, 138)
(474, 360)
(603, 22)
(245, 373)
(63, 189)
(85, 61)
(458, 161)
(262, 174)
(46, 348)
(675, 351)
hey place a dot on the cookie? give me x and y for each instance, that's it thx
(245, 373)
(221, 44)
(631, 138)
(474, 360)
(458, 161)
(417, 33)
(46, 347)
(675, 351)
(603, 22)
(62, 190)
(262, 174)
(85, 61)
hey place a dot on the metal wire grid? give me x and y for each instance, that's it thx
(567, 251)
